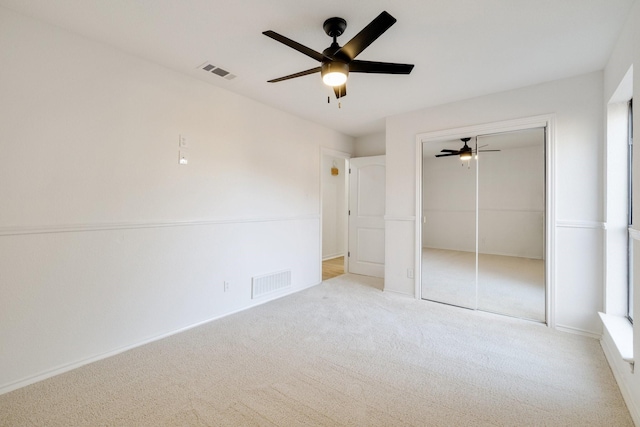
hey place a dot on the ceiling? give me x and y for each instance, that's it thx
(461, 48)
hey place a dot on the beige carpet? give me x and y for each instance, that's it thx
(341, 353)
(507, 285)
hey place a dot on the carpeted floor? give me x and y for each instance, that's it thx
(507, 285)
(341, 353)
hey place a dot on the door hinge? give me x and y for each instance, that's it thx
(349, 170)
(349, 211)
(348, 254)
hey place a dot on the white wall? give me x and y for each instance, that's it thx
(625, 55)
(511, 202)
(334, 207)
(577, 106)
(105, 241)
(370, 145)
(449, 203)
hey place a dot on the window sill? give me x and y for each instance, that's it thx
(621, 332)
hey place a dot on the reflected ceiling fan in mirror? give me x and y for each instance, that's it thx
(337, 62)
(465, 152)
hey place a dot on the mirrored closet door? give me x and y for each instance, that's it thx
(449, 225)
(483, 223)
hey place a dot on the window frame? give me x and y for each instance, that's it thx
(630, 211)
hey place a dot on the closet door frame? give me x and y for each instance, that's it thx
(546, 121)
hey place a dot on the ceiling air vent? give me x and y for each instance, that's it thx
(210, 68)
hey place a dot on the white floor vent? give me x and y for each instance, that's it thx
(268, 283)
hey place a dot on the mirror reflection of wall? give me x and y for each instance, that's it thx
(483, 224)
(511, 206)
(449, 228)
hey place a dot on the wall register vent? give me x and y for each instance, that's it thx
(269, 283)
(210, 68)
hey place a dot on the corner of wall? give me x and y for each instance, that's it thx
(370, 145)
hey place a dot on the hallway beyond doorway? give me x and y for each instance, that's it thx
(332, 268)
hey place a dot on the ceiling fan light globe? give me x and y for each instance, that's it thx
(465, 156)
(334, 73)
(335, 78)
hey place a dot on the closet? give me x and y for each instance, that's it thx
(483, 223)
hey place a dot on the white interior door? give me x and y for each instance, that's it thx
(366, 215)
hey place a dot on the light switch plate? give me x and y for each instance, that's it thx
(183, 141)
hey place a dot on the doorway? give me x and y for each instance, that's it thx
(484, 222)
(352, 214)
(334, 208)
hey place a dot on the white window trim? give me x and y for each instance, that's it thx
(621, 332)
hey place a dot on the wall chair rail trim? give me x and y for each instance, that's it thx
(76, 228)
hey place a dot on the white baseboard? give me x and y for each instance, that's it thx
(334, 256)
(6, 388)
(578, 331)
(404, 294)
(71, 366)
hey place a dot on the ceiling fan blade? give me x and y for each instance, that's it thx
(446, 155)
(340, 91)
(379, 67)
(364, 38)
(446, 150)
(293, 76)
(294, 45)
(484, 151)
